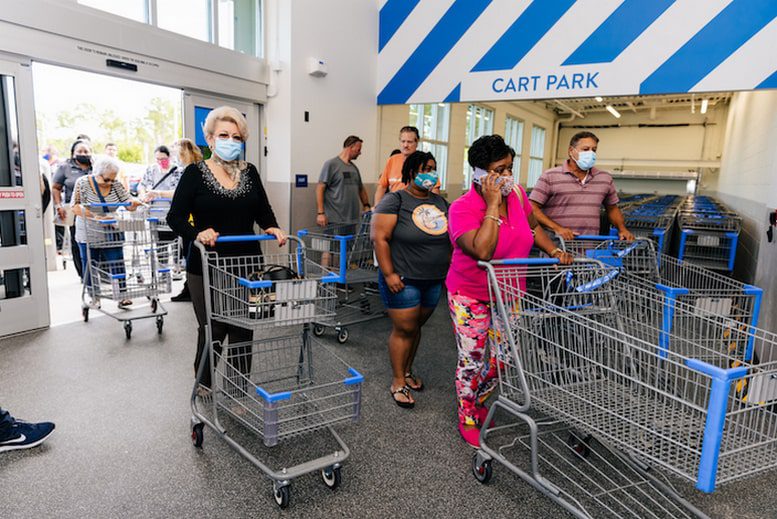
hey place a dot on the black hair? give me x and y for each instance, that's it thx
(83, 137)
(410, 129)
(413, 164)
(486, 150)
(75, 145)
(163, 149)
(351, 140)
(582, 135)
(395, 151)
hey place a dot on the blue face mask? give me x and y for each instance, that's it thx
(586, 160)
(227, 149)
(426, 181)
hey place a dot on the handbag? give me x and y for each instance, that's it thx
(262, 301)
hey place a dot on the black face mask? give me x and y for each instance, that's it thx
(83, 159)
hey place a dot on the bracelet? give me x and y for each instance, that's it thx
(321, 212)
(554, 251)
(494, 218)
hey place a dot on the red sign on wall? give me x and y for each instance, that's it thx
(15, 193)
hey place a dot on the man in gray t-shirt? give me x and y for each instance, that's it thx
(340, 193)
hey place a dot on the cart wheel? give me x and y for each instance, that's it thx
(364, 305)
(282, 495)
(160, 323)
(128, 329)
(85, 313)
(64, 265)
(197, 435)
(342, 335)
(481, 469)
(332, 477)
(579, 443)
(318, 330)
(154, 305)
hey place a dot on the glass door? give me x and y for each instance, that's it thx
(23, 284)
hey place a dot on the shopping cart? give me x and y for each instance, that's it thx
(582, 349)
(671, 280)
(347, 249)
(284, 383)
(169, 248)
(709, 233)
(121, 264)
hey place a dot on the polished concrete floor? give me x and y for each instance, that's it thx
(122, 445)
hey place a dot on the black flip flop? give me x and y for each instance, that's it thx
(411, 376)
(405, 391)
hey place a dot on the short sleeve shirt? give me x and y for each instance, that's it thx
(154, 174)
(391, 178)
(89, 233)
(515, 239)
(343, 182)
(66, 175)
(572, 203)
(420, 247)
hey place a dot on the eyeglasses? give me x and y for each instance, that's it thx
(501, 169)
(107, 180)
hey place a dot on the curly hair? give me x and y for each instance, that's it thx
(486, 150)
(413, 164)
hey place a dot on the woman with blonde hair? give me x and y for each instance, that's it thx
(224, 196)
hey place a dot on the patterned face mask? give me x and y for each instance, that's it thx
(426, 181)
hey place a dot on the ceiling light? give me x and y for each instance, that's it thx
(704, 103)
(613, 111)
(441, 105)
(599, 99)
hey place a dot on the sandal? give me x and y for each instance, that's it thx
(406, 392)
(415, 385)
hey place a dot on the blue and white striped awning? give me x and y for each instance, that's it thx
(466, 50)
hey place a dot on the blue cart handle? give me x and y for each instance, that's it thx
(117, 204)
(246, 238)
(594, 237)
(157, 200)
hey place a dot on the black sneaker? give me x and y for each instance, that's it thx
(24, 435)
(183, 296)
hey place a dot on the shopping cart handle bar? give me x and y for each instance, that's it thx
(119, 276)
(157, 210)
(153, 219)
(245, 237)
(525, 261)
(333, 278)
(715, 371)
(355, 378)
(108, 222)
(593, 237)
(254, 284)
(273, 397)
(163, 271)
(114, 204)
(157, 200)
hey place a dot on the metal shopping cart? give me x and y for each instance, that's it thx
(347, 249)
(582, 348)
(283, 383)
(169, 248)
(121, 264)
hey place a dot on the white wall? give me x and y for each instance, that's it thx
(748, 184)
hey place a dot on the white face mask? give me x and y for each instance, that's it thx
(585, 159)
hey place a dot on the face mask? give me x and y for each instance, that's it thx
(586, 160)
(164, 163)
(426, 181)
(83, 159)
(507, 185)
(228, 149)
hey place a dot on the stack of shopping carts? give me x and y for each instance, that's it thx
(709, 233)
(347, 249)
(282, 383)
(652, 217)
(608, 374)
(122, 264)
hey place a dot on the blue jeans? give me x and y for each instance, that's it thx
(417, 292)
(6, 422)
(110, 259)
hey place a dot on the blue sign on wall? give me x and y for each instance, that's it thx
(301, 180)
(479, 50)
(200, 113)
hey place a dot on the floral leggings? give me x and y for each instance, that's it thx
(476, 371)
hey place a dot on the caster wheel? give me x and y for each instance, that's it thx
(128, 329)
(160, 323)
(282, 495)
(64, 265)
(332, 477)
(579, 444)
(364, 306)
(85, 313)
(154, 305)
(342, 335)
(481, 469)
(197, 435)
(318, 330)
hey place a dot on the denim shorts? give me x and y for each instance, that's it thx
(417, 292)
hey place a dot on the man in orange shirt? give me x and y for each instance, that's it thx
(391, 178)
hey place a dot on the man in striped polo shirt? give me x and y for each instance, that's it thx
(567, 199)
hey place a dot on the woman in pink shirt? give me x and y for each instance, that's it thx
(493, 220)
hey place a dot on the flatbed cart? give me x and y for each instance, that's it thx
(132, 274)
(283, 383)
(347, 249)
(584, 354)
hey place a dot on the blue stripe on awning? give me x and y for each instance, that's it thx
(618, 31)
(770, 82)
(715, 42)
(535, 21)
(442, 38)
(392, 15)
(454, 96)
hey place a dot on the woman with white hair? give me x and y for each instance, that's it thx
(100, 187)
(224, 196)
